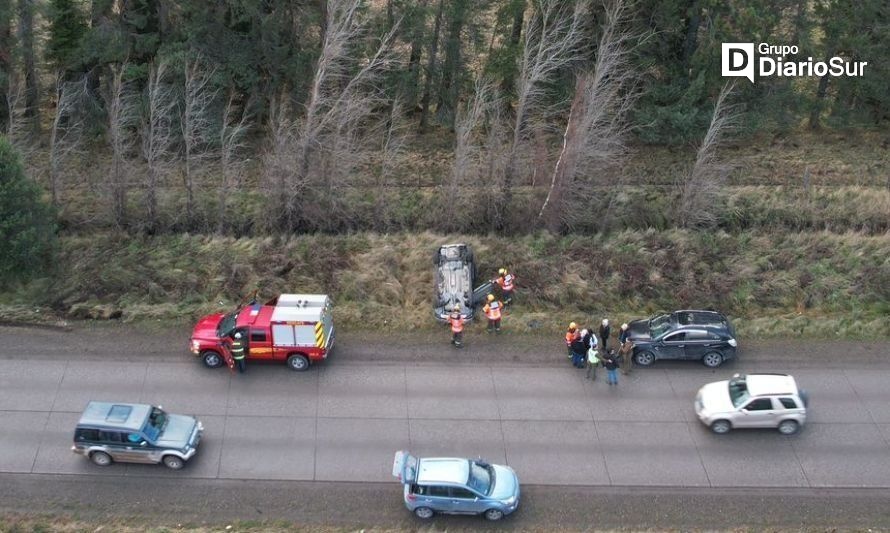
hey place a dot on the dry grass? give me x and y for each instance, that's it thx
(778, 283)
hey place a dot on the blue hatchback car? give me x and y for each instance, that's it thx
(456, 486)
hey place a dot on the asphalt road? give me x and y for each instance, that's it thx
(317, 447)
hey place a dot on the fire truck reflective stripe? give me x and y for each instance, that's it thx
(319, 335)
(260, 350)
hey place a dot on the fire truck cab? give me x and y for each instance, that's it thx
(294, 328)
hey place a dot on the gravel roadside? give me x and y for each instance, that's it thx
(167, 501)
(160, 342)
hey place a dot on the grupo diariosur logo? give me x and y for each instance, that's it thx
(737, 59)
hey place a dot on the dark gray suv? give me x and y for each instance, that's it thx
(696, 335)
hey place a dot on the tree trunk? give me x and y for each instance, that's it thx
(100, 13)
(691, 41)
(5, 62)
(515, 35)
(29, 62)
(816, 112)
(449, 89)
(322, 21)
(414, 58)
(431, 68)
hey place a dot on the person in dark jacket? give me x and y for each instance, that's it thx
(611, 364)
(605, 332)
(579, 352)
(625, 349)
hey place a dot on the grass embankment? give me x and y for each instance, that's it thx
(818, 284)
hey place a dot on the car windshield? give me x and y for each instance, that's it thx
(226, 324)
(155, 424)
(738, 391)
(659, 325)
(481, 477)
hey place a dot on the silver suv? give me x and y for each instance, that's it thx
(752, 401)
(456, 486)
(136, 433)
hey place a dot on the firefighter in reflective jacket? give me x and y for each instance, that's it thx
(493, 311)
(238, 352)
(572, 334)
(505, 281)
(457, 327)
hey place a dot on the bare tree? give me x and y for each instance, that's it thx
(339, 126)
(123, 117)
(553, 41)
(28, 51)
(231, 145)
(18, 128)
(469, 163)
(597, 125)
(392, 149)
(196, 125)
(280, 157)
(702, 187)
(66, 135)
(158, 138)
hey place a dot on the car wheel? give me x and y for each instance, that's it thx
(298, 362)
(101, 458)
(712, 360)
(645, 358)
(721, 427)
(173, 463)
(494, 514)
(424, 513)
(211, 359)
(788, 427)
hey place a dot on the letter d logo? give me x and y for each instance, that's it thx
(738, 60)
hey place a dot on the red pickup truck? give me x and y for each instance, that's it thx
(295, 328)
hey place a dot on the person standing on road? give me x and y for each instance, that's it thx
(571, 333)
(457, 327)
(605, 331)
(611, 367)
(578, 351)
(593, 361)
(238, 352)
(492, 310)
(625, 349)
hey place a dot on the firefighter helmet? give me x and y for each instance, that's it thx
(238, 335)
(502, 272)
(573, 326)
(491, 297)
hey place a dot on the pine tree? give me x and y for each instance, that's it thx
(67, 27)
(27, 226)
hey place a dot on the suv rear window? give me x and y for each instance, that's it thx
(789, 403)
(86, 435)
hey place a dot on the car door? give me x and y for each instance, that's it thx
(671, 346)
(437, 498)
(465, 501)
(757, 413)
(259, 344)
(114, 443)
(138, 448)
(698, 343)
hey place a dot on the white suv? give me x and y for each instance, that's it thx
(752, 401)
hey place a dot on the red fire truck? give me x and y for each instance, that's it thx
(296, 328)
